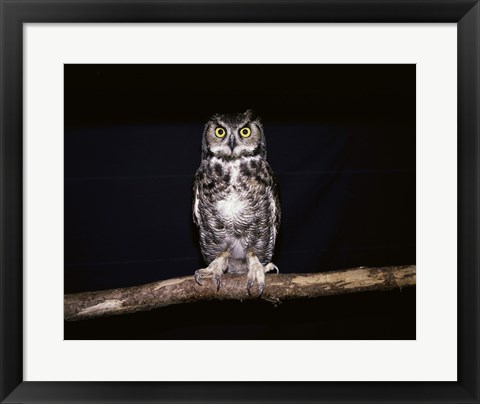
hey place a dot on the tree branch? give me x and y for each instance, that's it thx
(80, 306)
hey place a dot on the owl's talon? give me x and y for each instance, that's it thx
(215, 269)
(197, 278)
(261, 288)
(216, 280)
(249, 287)
(271, 267)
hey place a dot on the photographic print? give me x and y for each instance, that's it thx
(240, 201)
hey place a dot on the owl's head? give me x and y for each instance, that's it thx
(232, 136)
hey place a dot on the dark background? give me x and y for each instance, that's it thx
(341, 140)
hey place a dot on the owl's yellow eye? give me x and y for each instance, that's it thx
(245, 132)
(220, 132)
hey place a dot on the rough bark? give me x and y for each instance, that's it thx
(80, 306)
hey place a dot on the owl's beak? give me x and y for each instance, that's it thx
(232, 143)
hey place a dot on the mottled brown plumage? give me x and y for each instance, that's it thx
(236, 201)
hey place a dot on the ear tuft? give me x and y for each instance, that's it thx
(251, 115)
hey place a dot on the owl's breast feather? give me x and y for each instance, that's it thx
(231, 207)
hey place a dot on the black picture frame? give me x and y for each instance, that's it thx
(465, 13)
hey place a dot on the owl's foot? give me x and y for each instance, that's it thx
(271, 267)
(256, 273)
(216, 268)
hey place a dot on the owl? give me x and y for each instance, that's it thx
(236, 201)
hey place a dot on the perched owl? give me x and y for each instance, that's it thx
(235, 200)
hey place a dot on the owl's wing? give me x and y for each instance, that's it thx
(195, 210)
(275, 202)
